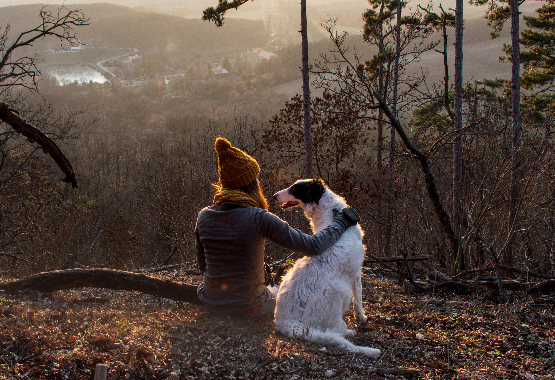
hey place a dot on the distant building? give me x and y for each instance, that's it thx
(135, 58)
(220, 70)
(75, 49)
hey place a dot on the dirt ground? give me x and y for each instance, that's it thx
(65, 334)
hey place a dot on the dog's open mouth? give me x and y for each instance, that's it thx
(289, 204)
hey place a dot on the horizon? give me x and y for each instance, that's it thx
(470, 10)
(250, 10)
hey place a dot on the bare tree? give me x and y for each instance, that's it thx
(306, 93)
(392, 146)
(374, 24)
(516, 170)
(22, 72)
(383, 25)
(457, 129)
(498, 14)
(338, 71)
(19, 73)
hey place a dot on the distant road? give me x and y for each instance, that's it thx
(105, 70)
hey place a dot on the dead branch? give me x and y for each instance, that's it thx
(395, 259)
(449, 286)
(507, 284)
(33, 134)
(106, 279)
(521, 288)
(542, 288)
(526, 273)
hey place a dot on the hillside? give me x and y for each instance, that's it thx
(117, 26)
(173, 38)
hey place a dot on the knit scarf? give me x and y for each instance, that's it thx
(235, 195)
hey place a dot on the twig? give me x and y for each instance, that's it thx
(281, 261)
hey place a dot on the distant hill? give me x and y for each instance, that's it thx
(168, 37)
(119, 26)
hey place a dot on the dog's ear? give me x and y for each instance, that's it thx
(315, 191)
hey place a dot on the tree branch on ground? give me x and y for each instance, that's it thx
(105, 279)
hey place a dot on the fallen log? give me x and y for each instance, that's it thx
(545, 287)
(106, 279)
(449, 286)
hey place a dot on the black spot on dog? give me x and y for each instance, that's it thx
(309, 191)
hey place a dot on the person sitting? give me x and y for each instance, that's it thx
(230, 237)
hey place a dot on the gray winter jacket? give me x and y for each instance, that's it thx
(230, 252)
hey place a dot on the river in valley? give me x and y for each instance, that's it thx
(75, 74)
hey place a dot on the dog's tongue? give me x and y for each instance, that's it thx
(289, 204)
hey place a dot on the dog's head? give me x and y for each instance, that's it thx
(301, 193)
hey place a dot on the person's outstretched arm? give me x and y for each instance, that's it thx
(277, 230)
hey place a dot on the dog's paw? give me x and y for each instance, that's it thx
(350, 332)
(362, 318)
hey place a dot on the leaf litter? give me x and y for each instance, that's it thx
(63, 335)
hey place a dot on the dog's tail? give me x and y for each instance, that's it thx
(295, 330)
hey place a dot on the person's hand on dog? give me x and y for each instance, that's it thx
(348, 216)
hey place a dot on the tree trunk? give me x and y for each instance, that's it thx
(107, 279)
(446, 71)
(457, 143)
(516, 170)
(306, 93)
(392, 146)
(382, 246)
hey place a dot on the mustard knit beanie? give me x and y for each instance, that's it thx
(235, 167)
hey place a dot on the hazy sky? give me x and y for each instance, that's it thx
(130, 3)
(188, 3)
(469, 10)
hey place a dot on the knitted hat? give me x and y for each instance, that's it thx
(235, 167)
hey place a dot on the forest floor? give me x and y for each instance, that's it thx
(65, 334)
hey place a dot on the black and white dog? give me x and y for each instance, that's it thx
(315, 294)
